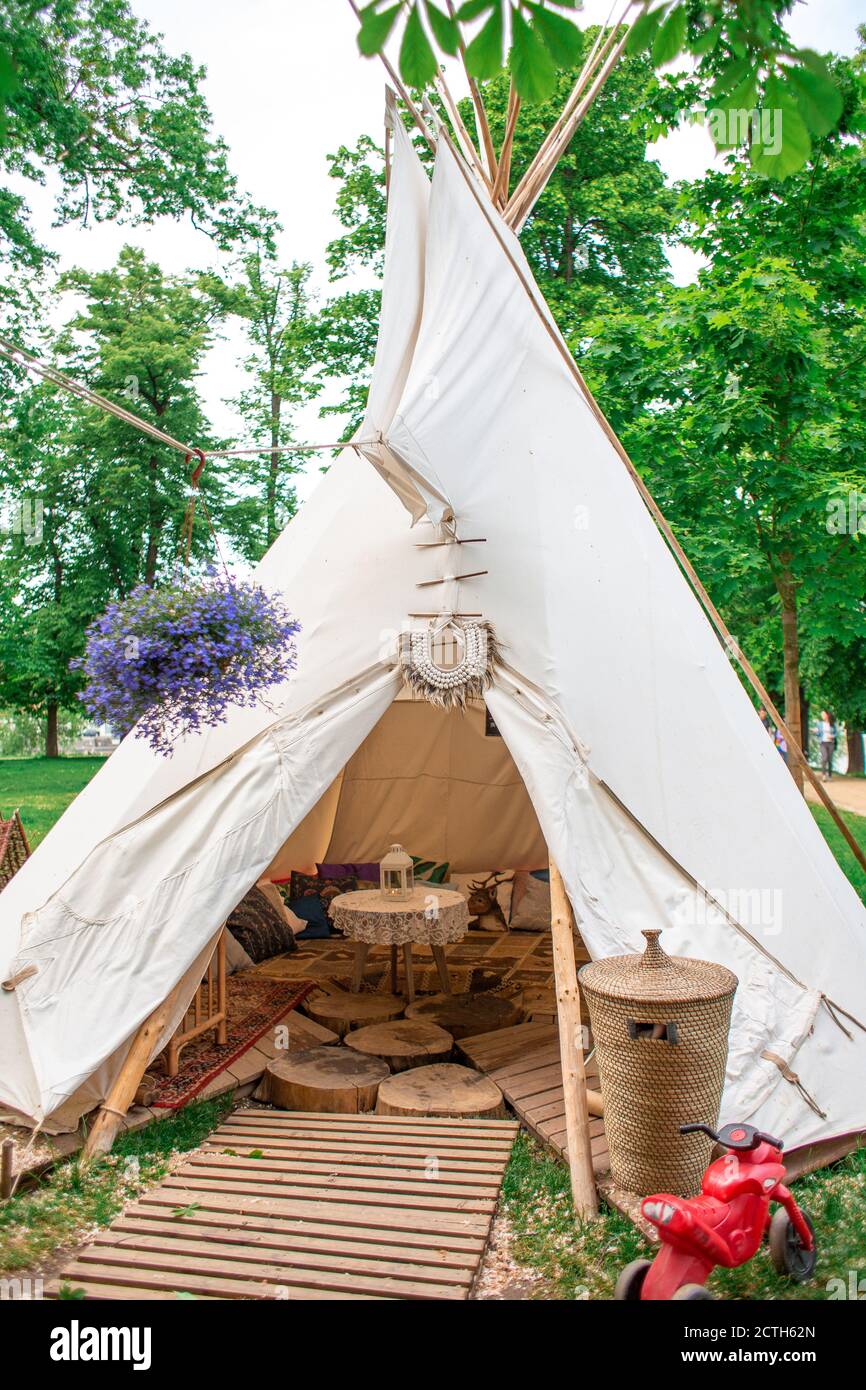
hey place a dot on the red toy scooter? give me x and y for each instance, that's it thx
(725, 1224)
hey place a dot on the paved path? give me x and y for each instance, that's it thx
(849, 793)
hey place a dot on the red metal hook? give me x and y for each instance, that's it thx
(197, 472)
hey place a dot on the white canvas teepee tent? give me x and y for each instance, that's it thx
(654, 786)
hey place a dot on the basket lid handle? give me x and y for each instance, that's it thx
(653, 958)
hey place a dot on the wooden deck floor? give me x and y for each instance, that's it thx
(524, 1063)
(283, 1205)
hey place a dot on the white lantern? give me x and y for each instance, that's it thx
(396, 874)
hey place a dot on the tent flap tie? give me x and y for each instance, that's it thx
(795, 1081)
(18, 978)
(834, 1009)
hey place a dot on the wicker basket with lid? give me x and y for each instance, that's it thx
(661, 1034)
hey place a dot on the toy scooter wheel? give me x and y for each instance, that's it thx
(630, 1281)
(691, 1293)
(786, 1248)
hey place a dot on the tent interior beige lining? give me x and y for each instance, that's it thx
(432, 780)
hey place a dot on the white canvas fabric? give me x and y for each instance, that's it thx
(645, 763)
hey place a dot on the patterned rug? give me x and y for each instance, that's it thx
(254, 1005)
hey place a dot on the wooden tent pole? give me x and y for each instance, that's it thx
(482, 125)
(571, 1051)
(661, 521)
(519, 209)
(593, 59)
(122, 1093)
(503, 175)
(464, 138)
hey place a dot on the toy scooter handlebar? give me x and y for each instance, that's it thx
(737, 1136)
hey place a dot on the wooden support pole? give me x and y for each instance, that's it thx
(571, 1051)
(503, 173)
(7, 1156)
(120, 1097)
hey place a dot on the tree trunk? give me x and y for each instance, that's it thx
(855, 751)
(274, 470)
(791, 648)
(52, 745)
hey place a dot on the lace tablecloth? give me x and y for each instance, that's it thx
(432, 916)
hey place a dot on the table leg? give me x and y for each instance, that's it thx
(407, 966)
(362, 949)
(442, 967)
(393, 969)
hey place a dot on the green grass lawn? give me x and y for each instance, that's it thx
(57, 1210)
(844, 854)
(42, 788)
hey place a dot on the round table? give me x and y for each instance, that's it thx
(432, 917)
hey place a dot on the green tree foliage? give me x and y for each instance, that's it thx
(52, 578)
(284, 333)
(742, 397)
(743, 55)
(91, 94)
(595, 239)
(140, 340)
(349, 321)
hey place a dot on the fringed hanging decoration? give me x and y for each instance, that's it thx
(450, 687)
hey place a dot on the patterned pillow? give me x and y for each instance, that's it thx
(260, 928)
(311, 886)
(428, 872)
(530, 902)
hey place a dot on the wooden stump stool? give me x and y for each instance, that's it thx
(344, 1011)
(403, 1044)
(443, 1089)
(463, 1015)
(329, 1080)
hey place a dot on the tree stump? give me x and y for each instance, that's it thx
(328, 1080)
(463, 1015)
(443, 1089)
(341, 1011)
(403, 1044)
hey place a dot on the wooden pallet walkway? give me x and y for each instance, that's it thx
(288, 1205)
(524, 1062)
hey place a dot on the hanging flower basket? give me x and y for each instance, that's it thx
(170, 661)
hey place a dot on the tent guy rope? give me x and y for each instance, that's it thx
(21, 358)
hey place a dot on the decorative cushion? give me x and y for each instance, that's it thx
(462, 883)
(530, 902)
(274, 896)
(311, 910)
(311, 886)
(428, 872)
(236, 957)
(369, 872)
(260, 928)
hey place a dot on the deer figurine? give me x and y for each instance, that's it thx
(484, 905)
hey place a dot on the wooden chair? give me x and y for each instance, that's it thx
(206, 1010)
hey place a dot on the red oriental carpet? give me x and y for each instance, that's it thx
(254, 1004)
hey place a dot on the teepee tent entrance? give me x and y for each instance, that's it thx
(436, 781)
(477, 427)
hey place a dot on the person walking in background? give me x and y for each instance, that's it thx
(782, 744)
(827, 742)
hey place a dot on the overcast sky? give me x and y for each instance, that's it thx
(286, 86)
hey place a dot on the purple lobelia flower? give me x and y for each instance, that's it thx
(172, 660)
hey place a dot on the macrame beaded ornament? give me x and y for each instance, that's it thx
(450, 687)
